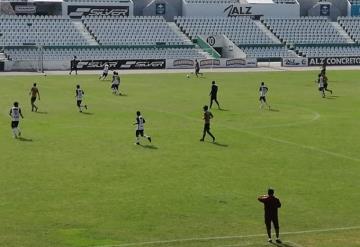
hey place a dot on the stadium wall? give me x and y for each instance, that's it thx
(233, 10)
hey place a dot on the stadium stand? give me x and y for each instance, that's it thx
(39, 30)
(329, 51)
(241, 30)
(305, 30)
(352, 26)
(132, 30)
(285, 1)
(101, 53)
(268, 52)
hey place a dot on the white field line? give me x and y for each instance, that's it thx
(229, 237)
(303, 146)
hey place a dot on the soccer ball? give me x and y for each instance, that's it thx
(188, 76)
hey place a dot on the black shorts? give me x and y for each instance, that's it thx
(262, 98)
(274, 220)
(78, 103)
(115, 86)
(206, 127)
(104, 74)
(139, 132)
(321, 89)
(325, 85)
(33, 99)
(213, 98)
(197, 71)
(14, 124)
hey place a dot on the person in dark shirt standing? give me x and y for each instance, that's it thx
(213, 95)
(271, 206)
(207, 117)
(73, 65)
(197, 68)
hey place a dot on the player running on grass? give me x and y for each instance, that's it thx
(34, 92)
(105, 71)
(207, 117)
(15, 114)
(139, 131)
(263, 91)
(115, 83)
(213, 94)
(326, 84)
(271, 206)
(321, 85)
(79, 94)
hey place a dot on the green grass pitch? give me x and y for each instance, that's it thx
(78, 180)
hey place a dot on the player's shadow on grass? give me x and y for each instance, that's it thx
(220, 144)
(23, 139)
(332, 97)
(285, 244)
(122, 95)
(149, 146)
(87, 113)
(274, 110)
(41, 112)
(222, 109)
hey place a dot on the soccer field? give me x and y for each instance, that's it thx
(78, 180)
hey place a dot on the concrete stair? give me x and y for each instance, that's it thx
(342, 32)
(177, 30)
(267, 32)
(84, 32)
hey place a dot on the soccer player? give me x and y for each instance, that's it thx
(271, 206)
(34, 92)
(115, 83)
(15, 114)
(263, 90)
(79, 93)
(197, 68)
(73, 65)
(207, 117)
(105, 71)
(140, 121)
(213, 94)
(326, 84)
(320, 82)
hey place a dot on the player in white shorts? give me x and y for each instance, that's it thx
(79, 94)
(15, 114)
(263, 90)
(140, 121)
(105, 72)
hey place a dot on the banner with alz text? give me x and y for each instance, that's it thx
(122, 64)
(77, 11)
(211, 63)
(294, 62)
(333, 61)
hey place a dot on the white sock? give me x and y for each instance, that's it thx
(14, 132)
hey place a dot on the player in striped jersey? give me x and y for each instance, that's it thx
(263, 90)
(207, 117)
(115, 83)
(140, 121)
(79, 94)
(15, 114)
(321, 85)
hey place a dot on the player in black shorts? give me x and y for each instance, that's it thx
(73, 65)
(326, 84)
(197, 69)
(213, 95)
(207, 117)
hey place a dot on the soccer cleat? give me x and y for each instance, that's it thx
(201, 140)
(149, 138)
(278, 241)
(270, 240)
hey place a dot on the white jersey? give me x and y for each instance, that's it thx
(79, 94)
(263, 90)
(321, 82)
(140, 123)
(106, 68)
(15, 113)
